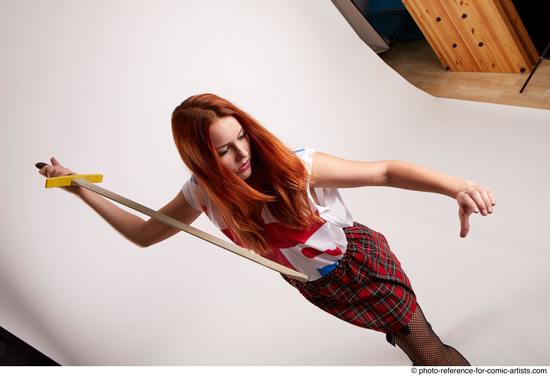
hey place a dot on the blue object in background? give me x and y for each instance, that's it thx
(390, 18)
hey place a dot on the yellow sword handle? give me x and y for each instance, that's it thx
(66, 180)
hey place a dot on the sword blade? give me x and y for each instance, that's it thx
(191, 230)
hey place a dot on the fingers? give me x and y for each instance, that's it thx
(488, 204)
(475, 199)
(481, 198)
(464, 223)
(488, 199)
(53, 170)
(482, 205)
(468, 205)
(44, 170)
(492, 198)
(48, 171)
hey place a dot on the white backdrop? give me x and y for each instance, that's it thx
(94, 83)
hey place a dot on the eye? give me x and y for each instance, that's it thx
(222, 153)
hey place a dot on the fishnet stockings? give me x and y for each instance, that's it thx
(423, 346)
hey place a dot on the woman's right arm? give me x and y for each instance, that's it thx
(135, 229)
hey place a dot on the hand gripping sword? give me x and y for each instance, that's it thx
(87, 180)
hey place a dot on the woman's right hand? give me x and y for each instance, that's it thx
(56, 169)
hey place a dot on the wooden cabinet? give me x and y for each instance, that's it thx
(475, 35)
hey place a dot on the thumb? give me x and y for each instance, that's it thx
(464, 223)
(55, 162)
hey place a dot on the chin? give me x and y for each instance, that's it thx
(246, 175)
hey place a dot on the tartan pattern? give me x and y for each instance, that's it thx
(368, 288)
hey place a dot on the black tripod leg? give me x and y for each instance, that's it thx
(535, 67)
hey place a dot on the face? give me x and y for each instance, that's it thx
(232, 145)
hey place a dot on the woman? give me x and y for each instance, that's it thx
(285, 206)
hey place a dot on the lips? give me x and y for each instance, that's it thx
(244, 166)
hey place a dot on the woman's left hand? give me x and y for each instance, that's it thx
(473, 199)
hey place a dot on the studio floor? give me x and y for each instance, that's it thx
(419, 65)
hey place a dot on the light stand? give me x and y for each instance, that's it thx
(535, 67)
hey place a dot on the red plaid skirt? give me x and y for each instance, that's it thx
(368, 288)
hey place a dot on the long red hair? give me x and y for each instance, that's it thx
(278, 179)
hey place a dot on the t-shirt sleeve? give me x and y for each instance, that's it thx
(190, 191)
(306, 155)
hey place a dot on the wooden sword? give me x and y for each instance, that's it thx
(87, 180)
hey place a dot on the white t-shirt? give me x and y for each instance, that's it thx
(314, 251)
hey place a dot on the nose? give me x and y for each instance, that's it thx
(241, 152)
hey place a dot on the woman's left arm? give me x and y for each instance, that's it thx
(331, 171)
(471, 198)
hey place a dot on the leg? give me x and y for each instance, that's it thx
(424, 347)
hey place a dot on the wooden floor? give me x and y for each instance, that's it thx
(419, 65)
